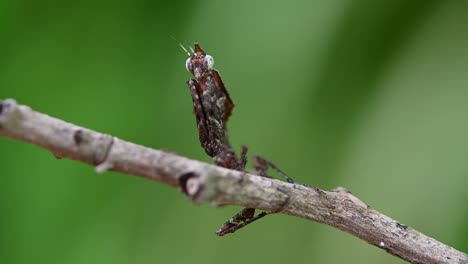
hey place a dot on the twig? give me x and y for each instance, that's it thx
(205, 183)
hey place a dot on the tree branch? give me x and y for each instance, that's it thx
(206, 183)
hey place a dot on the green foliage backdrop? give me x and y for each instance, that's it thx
(370, 95)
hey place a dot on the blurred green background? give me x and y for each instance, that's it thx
(370, 95)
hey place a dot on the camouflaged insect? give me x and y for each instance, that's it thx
(213, 106)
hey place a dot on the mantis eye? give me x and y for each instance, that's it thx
(188, 64)
(209, 61)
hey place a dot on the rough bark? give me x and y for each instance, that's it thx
(206, 183)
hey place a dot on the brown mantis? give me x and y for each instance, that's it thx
(212, 107)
